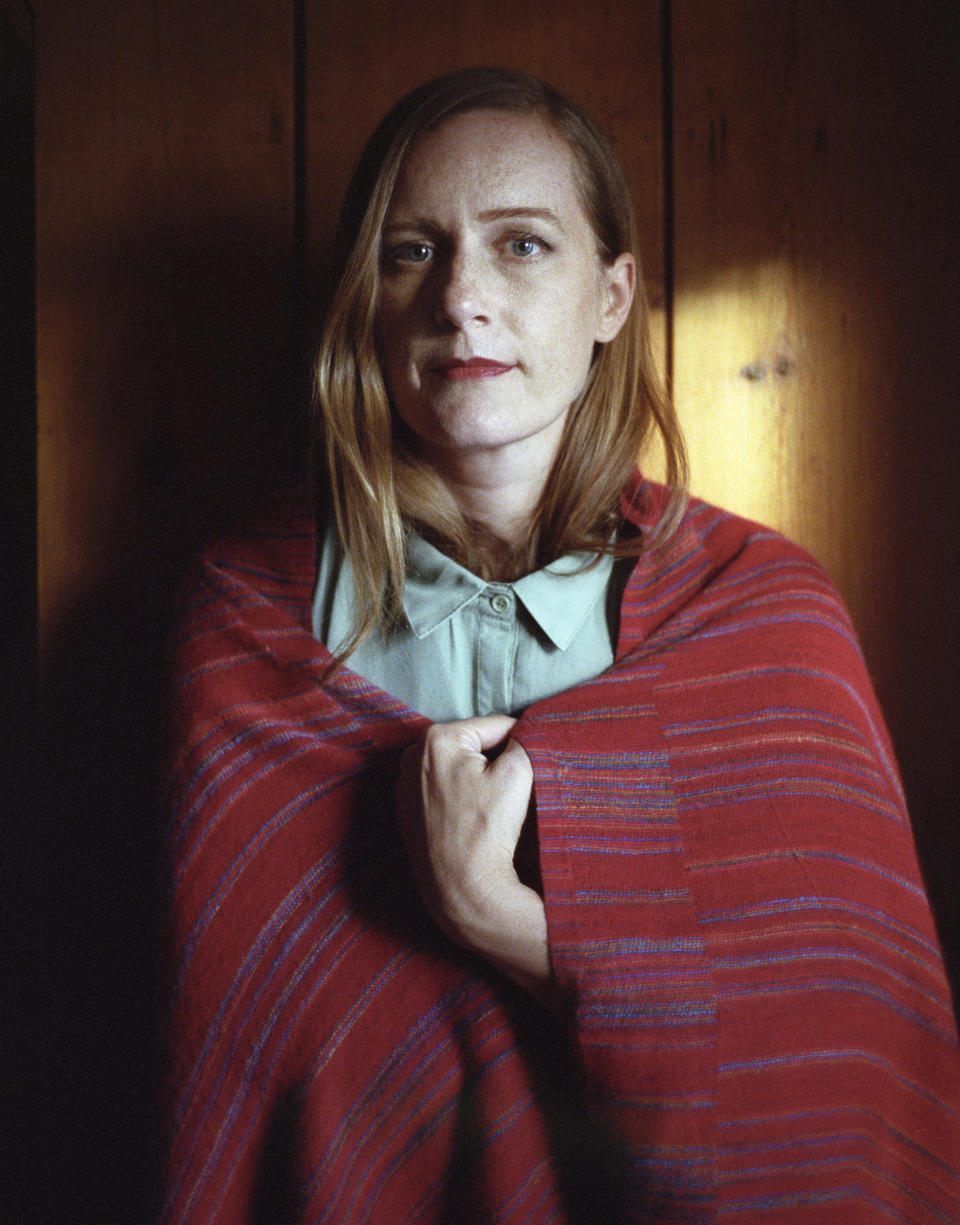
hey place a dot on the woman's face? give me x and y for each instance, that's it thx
(492, 293)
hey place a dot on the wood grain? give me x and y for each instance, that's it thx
(164, 156)
(816, 368)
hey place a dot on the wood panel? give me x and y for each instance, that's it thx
(363, 56)
(816, 363)
(165, 189)
(165, 211)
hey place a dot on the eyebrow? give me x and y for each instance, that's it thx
(517, 212)
(506, 214)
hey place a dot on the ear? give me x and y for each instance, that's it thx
(619, 282)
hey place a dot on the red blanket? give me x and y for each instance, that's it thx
(758, 1028)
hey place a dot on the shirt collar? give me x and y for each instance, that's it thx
(435, 588)
(557, 597)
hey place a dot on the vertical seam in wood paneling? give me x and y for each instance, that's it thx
(666, 119)
(300, 278)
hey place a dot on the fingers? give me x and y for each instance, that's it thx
(512, 768)
(478, 735)
(460, 814)
(448, 786)
(459, 748)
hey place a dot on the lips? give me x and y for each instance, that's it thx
(456, 369)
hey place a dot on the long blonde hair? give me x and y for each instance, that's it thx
(369, 475)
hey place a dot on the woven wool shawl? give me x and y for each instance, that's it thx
(757, 1024)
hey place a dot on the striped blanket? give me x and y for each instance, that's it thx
(757, 1026)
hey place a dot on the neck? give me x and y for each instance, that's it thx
(497, 493)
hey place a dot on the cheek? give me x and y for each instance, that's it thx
(573, 331)
(402, 322)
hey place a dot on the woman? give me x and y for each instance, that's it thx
(651, 943)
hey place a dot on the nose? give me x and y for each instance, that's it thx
(464, 295)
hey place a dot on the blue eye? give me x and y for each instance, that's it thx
(411, 252)
(525, 246)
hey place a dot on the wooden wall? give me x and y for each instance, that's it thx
(796, 197)
(815, 331)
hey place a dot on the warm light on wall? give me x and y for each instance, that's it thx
(736, 378)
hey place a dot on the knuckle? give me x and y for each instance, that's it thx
(436, 733)
(515, 767)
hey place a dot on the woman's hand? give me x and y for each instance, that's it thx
(461, 815)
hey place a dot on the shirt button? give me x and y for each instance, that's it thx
(500, 603)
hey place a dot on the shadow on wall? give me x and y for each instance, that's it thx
(204, 398)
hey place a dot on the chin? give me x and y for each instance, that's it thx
(475, 419)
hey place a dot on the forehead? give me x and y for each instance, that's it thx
(494, 159)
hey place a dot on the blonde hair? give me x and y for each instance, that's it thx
(370, 476)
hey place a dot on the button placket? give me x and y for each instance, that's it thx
(496, 651)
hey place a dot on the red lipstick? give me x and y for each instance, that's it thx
(473, 368)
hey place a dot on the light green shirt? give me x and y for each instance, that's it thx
(468, 647)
